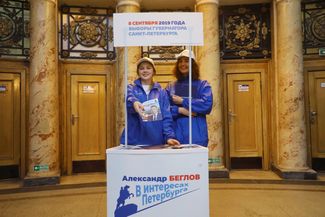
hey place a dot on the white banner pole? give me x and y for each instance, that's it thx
(190, 94)
(126, 94)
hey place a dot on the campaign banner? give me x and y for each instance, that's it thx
(157, 182)
(158, 29)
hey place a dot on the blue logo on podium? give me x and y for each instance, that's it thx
(123, 210)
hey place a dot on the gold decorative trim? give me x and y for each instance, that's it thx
(264, 30)
(88, 54)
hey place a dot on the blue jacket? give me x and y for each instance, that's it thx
(151, 132)
(202, 101)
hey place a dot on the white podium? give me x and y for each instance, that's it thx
(157, 181)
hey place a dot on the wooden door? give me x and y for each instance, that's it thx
(317, 113)
(9, 119)
(88, 117)
(244, 115)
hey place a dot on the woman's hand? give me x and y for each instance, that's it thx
(185, 112)
(173, 142)
(138, 107)
(177, 99)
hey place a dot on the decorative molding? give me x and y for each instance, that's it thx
(313, 19)
(163, 53)
(86, 33)
(245, 31)
(14, 28)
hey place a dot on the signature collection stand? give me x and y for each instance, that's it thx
(157, 181)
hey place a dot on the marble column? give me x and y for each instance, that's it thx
(209, 61)
(291, 161)
(43, 135)
(134, 53)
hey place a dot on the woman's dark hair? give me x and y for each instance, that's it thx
(195, 71)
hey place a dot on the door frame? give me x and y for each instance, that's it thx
(240, 67)
(18, 67)
(70, 69)
(310, 66)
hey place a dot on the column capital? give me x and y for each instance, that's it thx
(52, 1)
(280, 1)
(202, 2)
(128, 3)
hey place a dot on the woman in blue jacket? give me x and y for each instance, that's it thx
(202, 101)
(141, 129)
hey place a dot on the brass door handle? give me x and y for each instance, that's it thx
(73, 118)
(231, 115)
(312, 117)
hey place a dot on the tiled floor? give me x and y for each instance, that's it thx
(99, 179)
(226, 200)
(246, 194)
(83, 178)
(253, 174)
